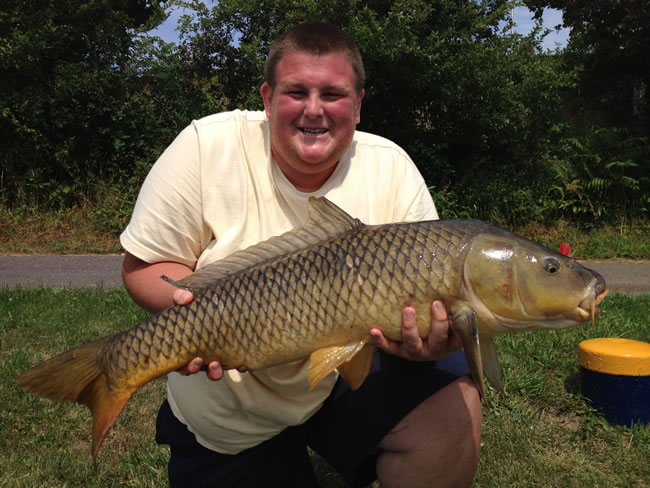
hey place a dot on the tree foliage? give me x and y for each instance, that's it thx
(607, 153)
(63, 91)
(610, 39)
(501, 129)
(85, 97)
(468, 101)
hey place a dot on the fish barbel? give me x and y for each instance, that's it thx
(316, 291)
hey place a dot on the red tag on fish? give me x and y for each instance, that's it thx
(565, 249)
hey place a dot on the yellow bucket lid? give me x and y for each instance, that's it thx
(615, 356)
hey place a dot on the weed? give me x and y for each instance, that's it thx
(95, 229)
(543, 433)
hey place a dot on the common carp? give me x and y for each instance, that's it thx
(316, 291)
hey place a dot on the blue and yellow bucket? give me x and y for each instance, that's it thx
(615, 376)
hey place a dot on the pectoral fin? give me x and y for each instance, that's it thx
(352, 360)
(491, 363)
(465, 324)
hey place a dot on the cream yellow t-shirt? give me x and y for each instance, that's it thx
(215, 190)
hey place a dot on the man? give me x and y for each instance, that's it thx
(231, 180)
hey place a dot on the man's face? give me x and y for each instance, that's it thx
(313, 112)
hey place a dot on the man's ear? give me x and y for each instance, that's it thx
(359, 98)
(267, 96)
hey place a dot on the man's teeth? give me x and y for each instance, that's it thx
(314, 131)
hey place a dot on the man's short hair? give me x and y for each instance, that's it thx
(317, 38)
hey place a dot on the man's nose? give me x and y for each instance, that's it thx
(313, 106)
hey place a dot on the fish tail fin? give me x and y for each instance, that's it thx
(105, 405)
(76, 376)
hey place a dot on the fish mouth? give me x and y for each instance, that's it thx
(588, 308)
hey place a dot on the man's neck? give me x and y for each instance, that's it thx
(306, 183)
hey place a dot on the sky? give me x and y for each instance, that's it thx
(524, 24)
(523, 20)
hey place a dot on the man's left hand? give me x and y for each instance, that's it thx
(440, 342)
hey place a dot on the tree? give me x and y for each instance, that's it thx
(62, 88)
(498, 126)
(610, 38)
(444, 80)
(608, 154)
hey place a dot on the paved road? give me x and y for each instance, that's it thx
(631, 277)
(104, 271)
(61, 271)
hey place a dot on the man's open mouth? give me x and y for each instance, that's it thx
(312, 131)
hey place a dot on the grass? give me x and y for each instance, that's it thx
(47, 444)
(542, 434)
(625, 241)
(95, 229)
(77, 230)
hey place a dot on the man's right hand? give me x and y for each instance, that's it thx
(213, 370)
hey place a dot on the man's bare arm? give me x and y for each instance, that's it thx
(142, 282)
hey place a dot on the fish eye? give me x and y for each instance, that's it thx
(551, 264)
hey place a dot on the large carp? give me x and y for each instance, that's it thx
(316, 291)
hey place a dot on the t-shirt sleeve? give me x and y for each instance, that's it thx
(167, 222)
(392, 184)
(411, 195)
(423, 207)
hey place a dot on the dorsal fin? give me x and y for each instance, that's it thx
(330, 218)
(326, 221)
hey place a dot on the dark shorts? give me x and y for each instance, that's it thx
(345, 431)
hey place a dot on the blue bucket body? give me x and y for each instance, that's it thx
(624, 400)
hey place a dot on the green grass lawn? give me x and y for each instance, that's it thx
(542, 434)
(89, 229)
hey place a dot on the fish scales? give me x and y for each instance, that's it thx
(279, 311)
(316, 292)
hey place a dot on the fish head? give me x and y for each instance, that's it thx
(519, 285)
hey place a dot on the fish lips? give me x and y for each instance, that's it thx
(588, 308)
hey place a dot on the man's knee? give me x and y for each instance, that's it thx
(456, 416)
(439, 440)
(470, 420)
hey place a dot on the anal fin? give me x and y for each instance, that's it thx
(356, 370)
(352, 360)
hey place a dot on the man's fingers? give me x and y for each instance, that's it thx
(439, 311)
(382, 343)
(215, 370)
(194, 366)
(440, 342)
(410, 336)
(439, 335)
(182, 297)
(443, 328)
